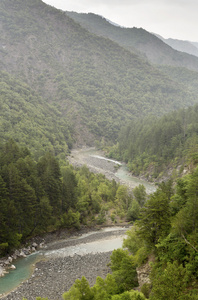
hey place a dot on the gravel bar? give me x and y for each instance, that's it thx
(53, 276)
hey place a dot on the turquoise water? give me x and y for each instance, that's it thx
(24, 266)
(24, 269)
(124, 175)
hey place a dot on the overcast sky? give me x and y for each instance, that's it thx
(177, 19)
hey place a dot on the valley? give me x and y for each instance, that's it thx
(96, 161)
(70, 84)
(52, 270)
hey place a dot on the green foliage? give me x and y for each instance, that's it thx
(30, 120)
(139, 193)
(105, 288)
(164, 237)
(70, 219)
(154, 220)
(39, 196)
(133, 211)
(146, 289)
(153, 144)
(131, 295)
(92, 82)
(122, 279)
(124, 269)
(79, 291)
(133, 241)
(169, 283)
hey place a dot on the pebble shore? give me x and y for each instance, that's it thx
(52, 278)
(55, 275)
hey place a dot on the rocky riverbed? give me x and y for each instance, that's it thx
(106, 167)
(53, 276)
(97, 163)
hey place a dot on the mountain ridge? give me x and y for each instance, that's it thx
(181, 45)
(97, 85)
(152, 47)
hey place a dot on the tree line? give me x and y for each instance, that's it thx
(45, 195)
(152, 145)
(164, 237)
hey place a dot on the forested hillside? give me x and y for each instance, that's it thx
(41, 196)
(152, 145)
(62, 84)
(139, 40)
(98, 85)
(31, 120)
(188, 78)
(163, 243)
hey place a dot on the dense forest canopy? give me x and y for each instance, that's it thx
(62, 85)
(164, 238)
(39, 196)
(30, 120)
(97, 84)
(151, 145)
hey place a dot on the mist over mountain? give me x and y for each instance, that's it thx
(95, 83)
(183, 46)
(137, 39)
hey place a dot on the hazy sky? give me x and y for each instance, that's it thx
(170, 18)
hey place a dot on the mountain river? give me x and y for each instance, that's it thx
(92, 243)
(112, 169)
(89, 244)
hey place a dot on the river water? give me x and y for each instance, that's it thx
(85, 245)
(98, 163)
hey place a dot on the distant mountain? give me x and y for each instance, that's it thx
(195, 44)
(183, 46)
(95, 84)
(149, 45)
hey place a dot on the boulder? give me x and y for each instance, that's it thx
(35, 245)
(2, 271)
(12, 267)
(22, 254)
(17, 253)
(14, 256)
(7, 262)
(10, 259)
(41, 245)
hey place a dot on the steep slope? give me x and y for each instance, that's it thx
(146, 43)
(98, 85)
(153, 145)
(188, 78)
(30, 120)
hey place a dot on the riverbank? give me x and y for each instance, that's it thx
(53, 275)
(96, 162)
(88, 157)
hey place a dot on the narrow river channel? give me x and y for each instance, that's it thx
(112, 169)
(90, 244)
